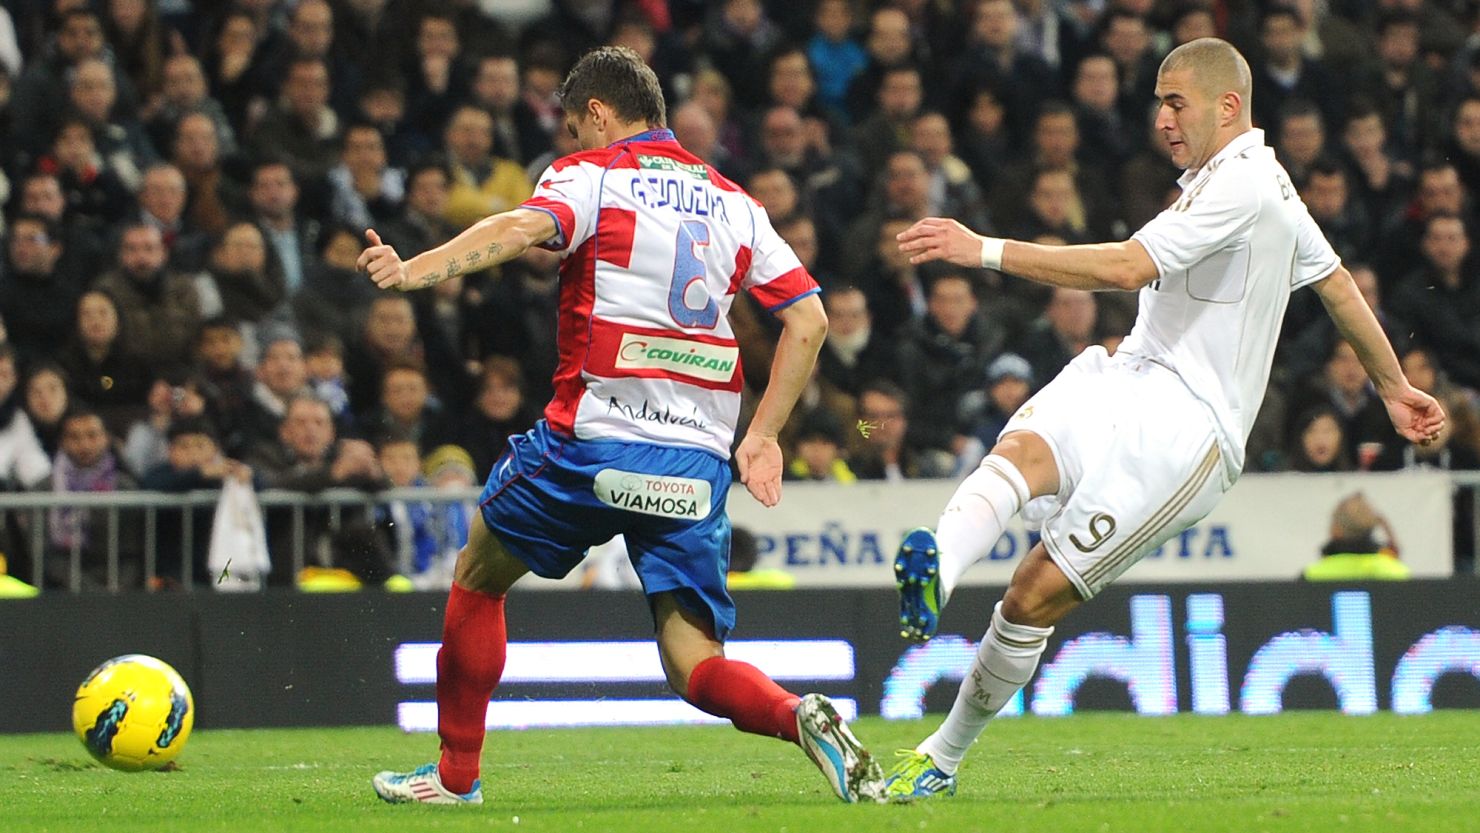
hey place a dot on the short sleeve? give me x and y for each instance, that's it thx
(567, 193)
(776, 278)
(1314, 257)
(1215, 213)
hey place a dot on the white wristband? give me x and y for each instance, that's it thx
(992, 252)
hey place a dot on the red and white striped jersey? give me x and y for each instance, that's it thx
(654, 245)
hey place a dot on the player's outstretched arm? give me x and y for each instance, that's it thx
(1095, 266)
(804, 326)
(488, 242)
(1415, 414)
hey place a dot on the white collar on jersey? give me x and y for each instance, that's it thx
(1253, 137)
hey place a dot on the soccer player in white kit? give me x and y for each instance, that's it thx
(1120, 453)
(654, 246)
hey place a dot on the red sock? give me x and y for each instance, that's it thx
(750, 699)
(474, 643)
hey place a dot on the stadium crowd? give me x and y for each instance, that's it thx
(186, 187)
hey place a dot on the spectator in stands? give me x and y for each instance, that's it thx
(901, 193)
(47, 400)
(1302, 138)
(1362, 546)
(303, 128)
(1009, 383)
(1102, 123)
(1055, 208)
(820, 441)
(1406, 89)
(92, 94)
(197, 150)
(84, 249)
(160, 309)
(281, 376)
(1307, 347)
(1464, 143)
(92, 188)
(108, 376)
(162, 201)
(696, 131)
(1056, 146)
(1065, 330)
(876, 138)
(744, 574)
(774, 189)
(943, 357)
(884, 420)
(1461, 406)
(1442, 298)
(43, 84)
(185, 92)
(800, 233)
(482, 184)
(835, 55)
(138, 40)
(516, 131)
(87, 463)
(499, 411)
(310, 34)
(23, 462)
(246, 282)
(193, 461)
(306, 456)
(985, 138)
(953, 191)
(437, 73)
(893, 286)
(1124, 35)
(1343, 388)
(173, 395)
(406, 408)
(334, 297)
(365, 189)
(1381, 181)
(1326, 191)
(422, 224)
(323, 359)
(1285, 74)
(226, 381)
(37, 297)
(273, 199)
(1318, 443)
(389, 336)
(993, 59)
(853, 354)
(737, 38)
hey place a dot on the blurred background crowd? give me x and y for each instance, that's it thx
(186, 186)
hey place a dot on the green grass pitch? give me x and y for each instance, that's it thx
(1304, 771)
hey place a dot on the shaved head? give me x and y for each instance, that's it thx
(1217, 66)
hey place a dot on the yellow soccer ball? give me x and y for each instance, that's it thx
(133, 713)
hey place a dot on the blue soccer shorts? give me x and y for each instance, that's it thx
(552, 497)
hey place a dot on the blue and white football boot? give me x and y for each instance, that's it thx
(850, 770)
(423, 785)
(917, 575)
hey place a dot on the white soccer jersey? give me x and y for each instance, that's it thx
(654, 246)
(1229, 252)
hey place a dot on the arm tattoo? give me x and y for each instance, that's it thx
(430, 279)
(493, 250)
(454, 268)
(473, 259)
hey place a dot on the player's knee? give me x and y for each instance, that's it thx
(1034, 461)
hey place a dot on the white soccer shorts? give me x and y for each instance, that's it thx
(1138, 463)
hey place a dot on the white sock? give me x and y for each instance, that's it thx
(1004, 663)
(977, 516)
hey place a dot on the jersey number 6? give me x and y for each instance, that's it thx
(688, 269)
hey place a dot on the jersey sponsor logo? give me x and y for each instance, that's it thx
(666, 163)
(653, 494)
(711, 362)
(658, 415)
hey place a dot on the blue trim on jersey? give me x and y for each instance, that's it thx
(559, 242)
(784, 304)
(661, 134)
